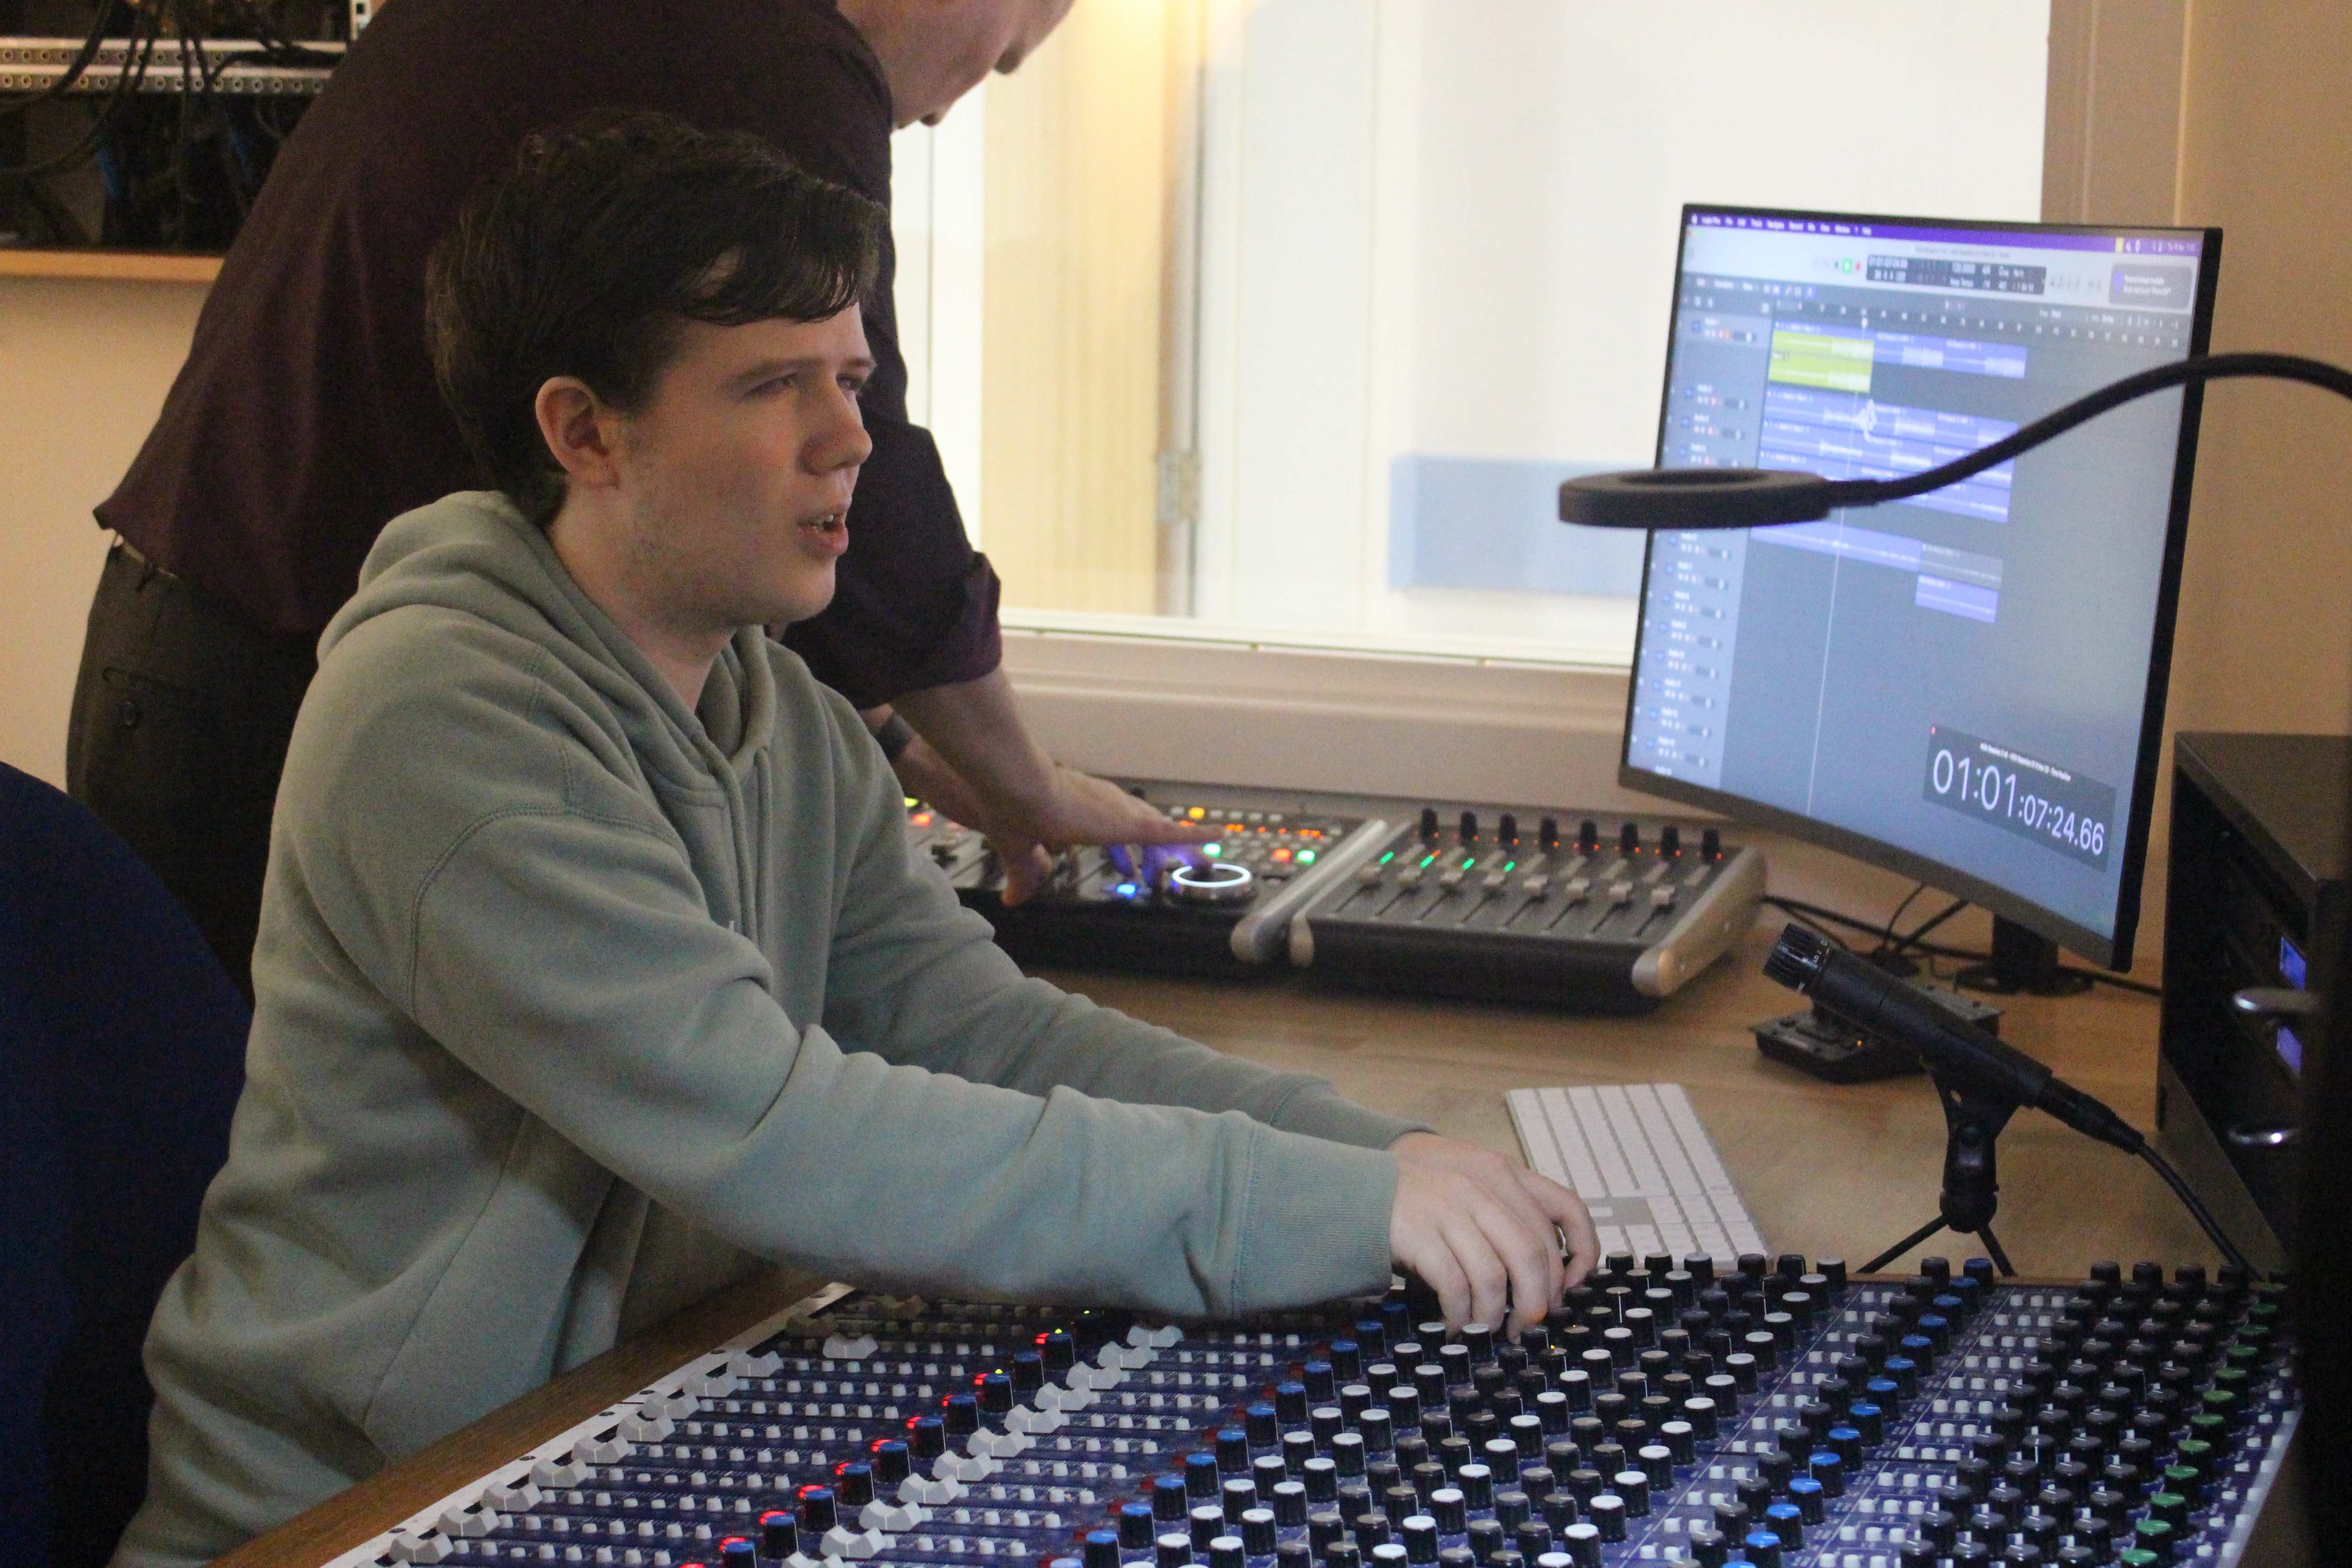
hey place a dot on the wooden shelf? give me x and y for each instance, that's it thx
(116, 266)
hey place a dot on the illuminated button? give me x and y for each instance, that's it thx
(922, 819)
(1212, 849)
(1307, 857)
(1217, 884)
(1196, 813)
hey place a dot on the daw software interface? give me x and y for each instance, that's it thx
(1962, 677)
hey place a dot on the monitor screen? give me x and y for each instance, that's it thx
(1967, 687)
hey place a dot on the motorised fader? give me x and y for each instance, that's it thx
(1523, 906)
(1498, 903)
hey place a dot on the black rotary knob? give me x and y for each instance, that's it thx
(1469, 825)
(1629, 839)
(1506, 829)
(1670, 840)
(1587, 837)
(1429, 822)
(1547, 833)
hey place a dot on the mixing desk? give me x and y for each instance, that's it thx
(1493, 903)
(1674, 1409)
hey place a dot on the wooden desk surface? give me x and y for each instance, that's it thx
(1826, 1171)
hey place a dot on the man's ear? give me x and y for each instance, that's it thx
(579, 429)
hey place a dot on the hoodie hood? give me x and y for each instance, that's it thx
(475, 552)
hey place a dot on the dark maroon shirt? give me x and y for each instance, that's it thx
(305, 416)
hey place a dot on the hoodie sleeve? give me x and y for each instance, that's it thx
(612, 1008)
(921, 980)
(561, 948)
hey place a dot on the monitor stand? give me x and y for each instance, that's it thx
(2024, 962)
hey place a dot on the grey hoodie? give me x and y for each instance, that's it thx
(574, 1006)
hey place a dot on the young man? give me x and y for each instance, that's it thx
(593, 968)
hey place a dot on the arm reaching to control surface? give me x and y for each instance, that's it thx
(1483, 1231)
(973, 759)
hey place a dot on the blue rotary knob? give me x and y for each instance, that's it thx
(1262, 1425)
(852, 1484)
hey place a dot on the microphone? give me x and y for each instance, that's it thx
(1876, 1003)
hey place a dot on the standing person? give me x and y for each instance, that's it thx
(595, 967)
(306, 419)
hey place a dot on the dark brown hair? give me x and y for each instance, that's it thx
(585, 257)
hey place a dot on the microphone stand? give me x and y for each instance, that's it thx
(1973, 1119)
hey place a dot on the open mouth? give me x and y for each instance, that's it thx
(828, 530)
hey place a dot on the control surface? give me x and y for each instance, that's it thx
(1764, 1411)
(1492, 903)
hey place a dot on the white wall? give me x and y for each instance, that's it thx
(83, 370)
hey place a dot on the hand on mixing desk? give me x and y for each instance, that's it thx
(1085, 809)
(1079, 809)
(1479, 1228)
(973, 757)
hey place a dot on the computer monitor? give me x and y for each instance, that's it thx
(1966, 688)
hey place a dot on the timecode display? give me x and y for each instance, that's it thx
(2054, 806)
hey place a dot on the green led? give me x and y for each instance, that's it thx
(1510, 865)
(1468, 861)
(1389, 857)
(1213, 849)
(1427, 859)
(1307, 857)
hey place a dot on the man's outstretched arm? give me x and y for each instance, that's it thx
(975, 759)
